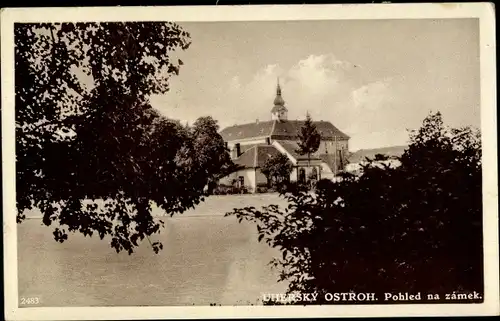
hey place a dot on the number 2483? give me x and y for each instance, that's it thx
(30, 301)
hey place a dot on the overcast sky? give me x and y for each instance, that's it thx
(373, 79)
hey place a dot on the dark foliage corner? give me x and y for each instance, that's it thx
(86, 133)
(416, 227)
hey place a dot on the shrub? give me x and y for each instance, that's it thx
(414, 228)
(293, 187)
(262, 189)
(222, 189)
(277, 170)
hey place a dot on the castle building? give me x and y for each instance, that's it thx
(252, 144)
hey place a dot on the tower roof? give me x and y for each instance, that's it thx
(277, 108)
(278, 101)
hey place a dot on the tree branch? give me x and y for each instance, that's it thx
(54, 43)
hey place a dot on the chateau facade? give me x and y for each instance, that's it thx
(252, 144)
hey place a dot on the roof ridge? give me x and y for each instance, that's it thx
(279, 129)
(246, 150)
(255, 163)
(272, 128)
(247, 124)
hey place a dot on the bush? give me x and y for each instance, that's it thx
(324, 184)
(414, 228)
(277, 170)
(222, 189)
(262, 189)
(293, 187)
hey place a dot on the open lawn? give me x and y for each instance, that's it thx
(207, 258)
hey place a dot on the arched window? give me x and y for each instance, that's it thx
(302, 175)
(314, 173)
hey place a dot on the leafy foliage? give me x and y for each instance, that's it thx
(309, 138)
(91, 153)
(412, 228)
(277, 170)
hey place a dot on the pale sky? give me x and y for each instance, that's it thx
(373, 79)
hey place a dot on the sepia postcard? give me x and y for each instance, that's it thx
(277, 161)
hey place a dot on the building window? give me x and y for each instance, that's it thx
(302, 175)
(268, 140)
(314, 173)
(241, 181)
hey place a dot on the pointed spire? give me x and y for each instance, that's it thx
(278, 101)
(279, 110)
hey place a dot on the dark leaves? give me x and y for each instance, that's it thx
(309, 138)
(277, 170)
(412, 228)
(157, 246)
(60, 235)
(92, 154)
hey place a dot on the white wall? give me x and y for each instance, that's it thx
(326, 171)
(293, 175)
(228, 180)
(308, 171)
(260, 178)
(248, 178)
(323, 173)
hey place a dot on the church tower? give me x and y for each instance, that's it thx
(279, 111)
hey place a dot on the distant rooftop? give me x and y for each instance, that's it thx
(392, 151)
(256, 156)
(280, 130)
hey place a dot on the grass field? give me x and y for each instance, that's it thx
(207, 258)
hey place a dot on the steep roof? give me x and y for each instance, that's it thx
(330, 160)
(256, 156)
(361, 154)
(289, 129)
(244, 131)
(291, 147)
(265, 152)
(279, 130)
(244, 148)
